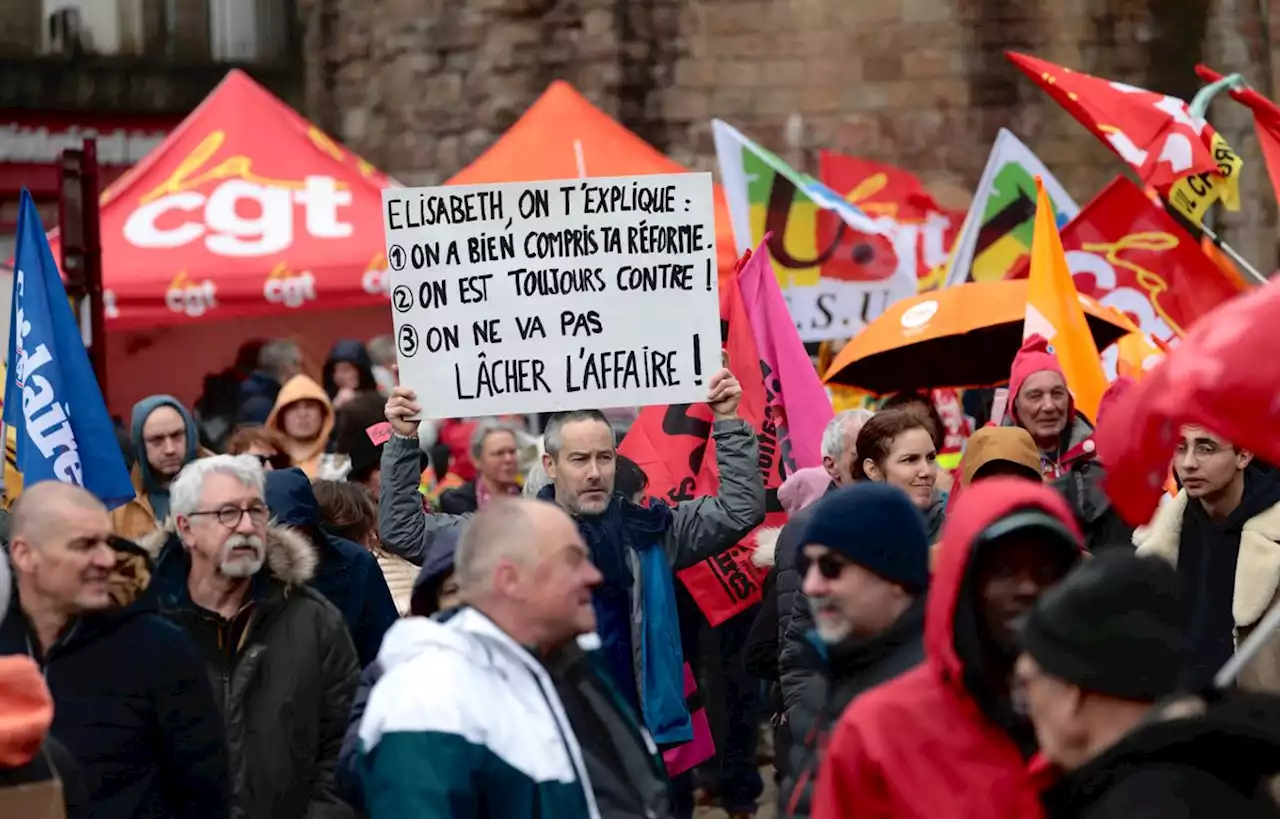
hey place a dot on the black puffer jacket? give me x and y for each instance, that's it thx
(798, 661)
(1194, 758)
(286, 692)
(852, 667)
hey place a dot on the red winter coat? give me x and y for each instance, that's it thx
(920, 747)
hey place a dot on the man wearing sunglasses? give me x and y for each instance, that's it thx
(241, 588)
(864, 560)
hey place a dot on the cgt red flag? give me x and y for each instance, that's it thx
(1128, 253)
(673, 445)
(1222, 377)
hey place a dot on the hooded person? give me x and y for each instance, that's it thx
(304, 415)
(346, 573)
(165, 439)
(1041, 403)
(944, 740)
(1102, 654)
(348, 371)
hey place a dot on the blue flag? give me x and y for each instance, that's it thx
(51, 398)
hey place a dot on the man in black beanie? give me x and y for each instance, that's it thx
(864, 564)
(1100, 650)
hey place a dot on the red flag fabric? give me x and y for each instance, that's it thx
(1222, 377)
(921, 230)
(1128, 253)
(1155, 133)
(1266, 121)
(673, 445)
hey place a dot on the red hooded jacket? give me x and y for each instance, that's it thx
(921, 747)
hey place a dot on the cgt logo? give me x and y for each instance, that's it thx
(376, 278)
(191, 298)
(288, 288)
(244, 215)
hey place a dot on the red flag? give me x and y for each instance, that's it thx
(673, 445)
(1222, 377)
(1128, 253)
(921, 230)
(1178, 154)
(1266, 121)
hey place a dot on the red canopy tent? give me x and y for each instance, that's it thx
(563, 136)
(246, 211)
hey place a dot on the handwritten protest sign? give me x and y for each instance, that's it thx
(546, 296)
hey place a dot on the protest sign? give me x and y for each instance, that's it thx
(547, 296)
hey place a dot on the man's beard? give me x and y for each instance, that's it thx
(231, 565)
(830, 631)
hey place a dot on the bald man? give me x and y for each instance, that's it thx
(132, 702)
(557, 738)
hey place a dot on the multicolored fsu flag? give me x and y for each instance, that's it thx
(1129, 254)
(1178, 154)
(829, 255)
(921, 230)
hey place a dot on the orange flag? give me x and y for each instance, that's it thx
(1054, 311)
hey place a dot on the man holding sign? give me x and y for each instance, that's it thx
(562, 297)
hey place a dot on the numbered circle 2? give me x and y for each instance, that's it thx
(402, 298)
(407, 341)
(396, 256)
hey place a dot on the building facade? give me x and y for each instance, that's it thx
(422, 87)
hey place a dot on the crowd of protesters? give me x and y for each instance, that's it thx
(317, 606)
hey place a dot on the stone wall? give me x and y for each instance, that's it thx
(421, 87)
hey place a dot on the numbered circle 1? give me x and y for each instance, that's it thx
(402, 299)
(396, 256)
(407, 341)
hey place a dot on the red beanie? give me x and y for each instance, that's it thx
(1036, 356)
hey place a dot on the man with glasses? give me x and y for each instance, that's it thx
(284, 666)
(1221, 532)
(165, 439)
(864, 561)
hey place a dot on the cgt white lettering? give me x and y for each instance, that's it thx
(226, 232)
(193, 300)
(375, 282)
(291, 291)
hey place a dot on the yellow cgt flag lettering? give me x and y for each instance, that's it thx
(1192, 196)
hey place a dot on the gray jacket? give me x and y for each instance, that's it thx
(403, 528)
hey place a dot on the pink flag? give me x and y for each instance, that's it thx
(795, 399)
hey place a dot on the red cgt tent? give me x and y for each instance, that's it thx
(246, 211)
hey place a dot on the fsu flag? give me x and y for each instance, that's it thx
(1178, 154)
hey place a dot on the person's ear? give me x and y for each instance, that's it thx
(872, 471)
(829, 464)
(1243, 458)
(506, 580)
(22, 555)
(549, 464)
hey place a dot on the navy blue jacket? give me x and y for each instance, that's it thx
(134, 705)
(347, 574)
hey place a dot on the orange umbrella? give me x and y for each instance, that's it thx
(964, 336)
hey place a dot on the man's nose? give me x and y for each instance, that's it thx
(103, 557)
(245, 525)
(814, 583)
(1025, 585)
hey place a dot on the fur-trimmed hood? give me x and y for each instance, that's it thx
(291, 558)
(1257, 568)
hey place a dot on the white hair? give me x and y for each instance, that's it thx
(487, 427)
(186, 489)
(535, 480)
(844, 427)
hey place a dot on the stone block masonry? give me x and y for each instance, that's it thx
(422, 87)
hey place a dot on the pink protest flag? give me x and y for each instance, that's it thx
(792, 387)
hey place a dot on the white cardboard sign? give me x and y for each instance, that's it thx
(548, 296)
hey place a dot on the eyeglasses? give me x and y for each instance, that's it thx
(830, 565)
(230, 516)
(276, 460)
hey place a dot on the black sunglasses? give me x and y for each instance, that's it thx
(830, 565)
(277, 461)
